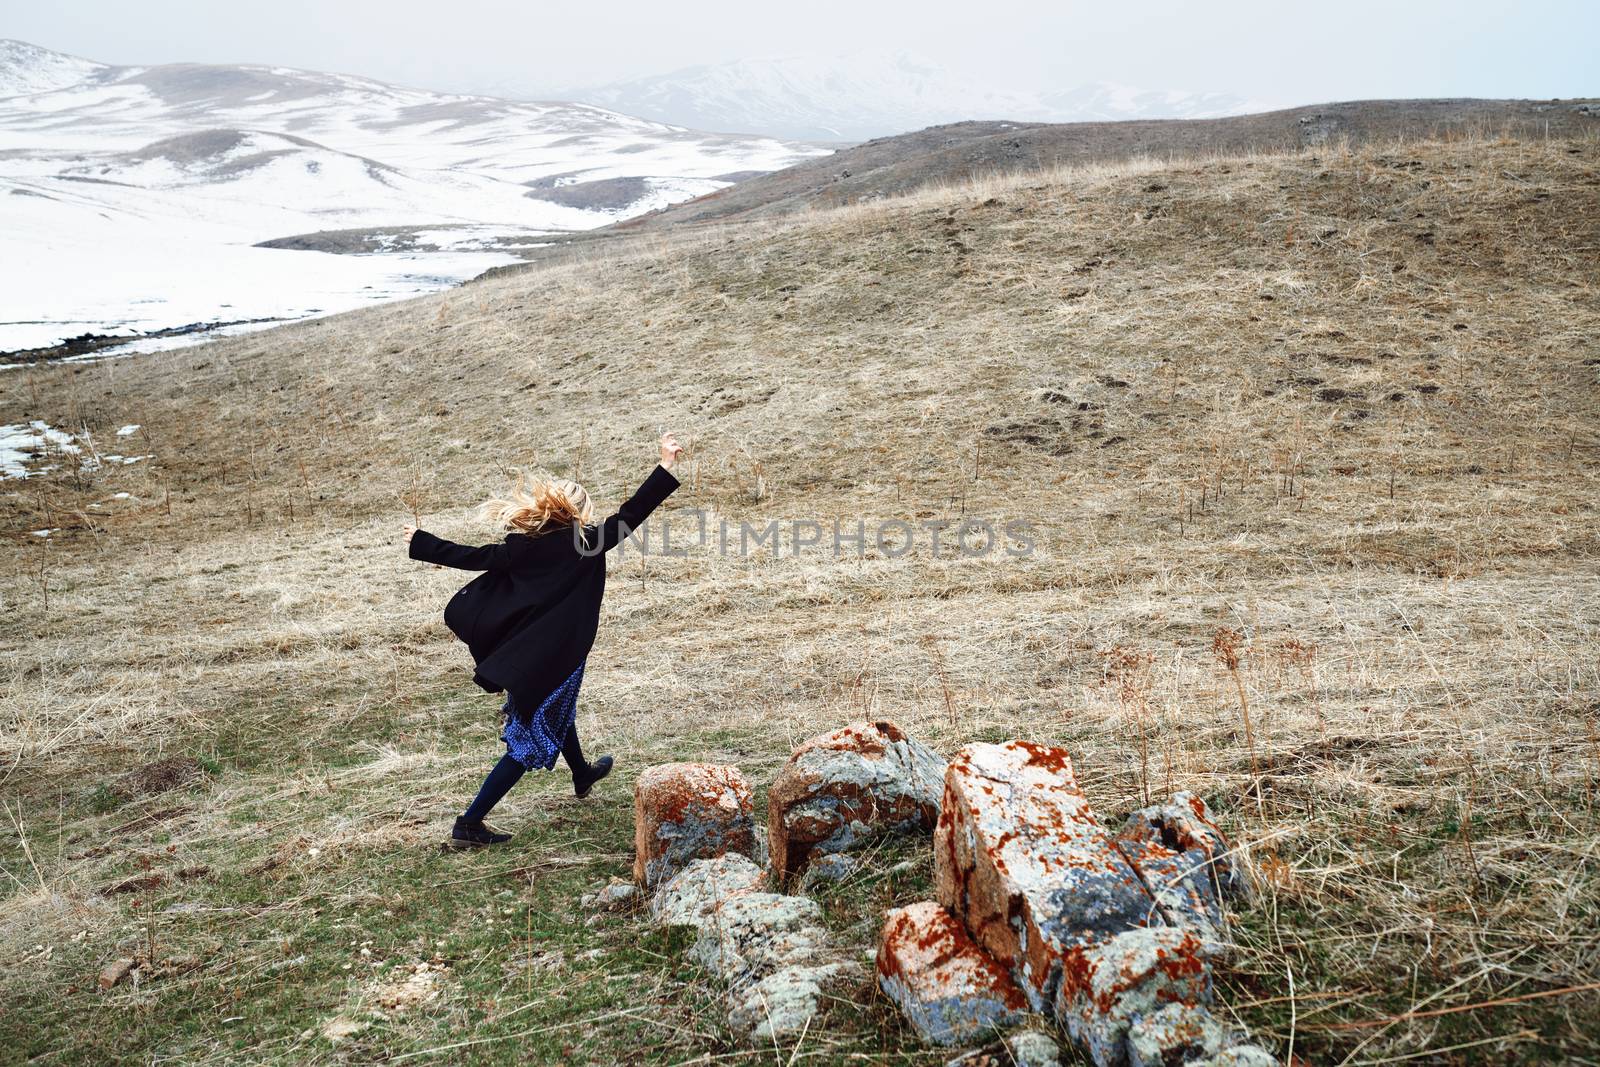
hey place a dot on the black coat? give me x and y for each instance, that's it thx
(530, 619)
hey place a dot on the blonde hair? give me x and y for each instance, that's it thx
(538, 505)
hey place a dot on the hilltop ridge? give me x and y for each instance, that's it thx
(891, 166)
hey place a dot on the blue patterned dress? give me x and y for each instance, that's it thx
(537, 742)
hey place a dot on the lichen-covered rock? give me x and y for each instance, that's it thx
(945, 985)
(695, 894)
(1174, 1033)
(1021, 861)
(782, 1004)
(1033, 1048)
(776, 958)
(1024, 1048)
(1239, 1056)
(689, 811)
(834, 867)
(1133, 975)
(756, 934)
(1186, 826)
(616, 896)
(1186, 864)
(843, 787)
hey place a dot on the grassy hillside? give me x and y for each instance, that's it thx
(894, 166)
(1336, 412)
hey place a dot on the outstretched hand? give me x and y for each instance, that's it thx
(407, 531)
(670, 450)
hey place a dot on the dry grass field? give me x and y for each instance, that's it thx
(1309, 438)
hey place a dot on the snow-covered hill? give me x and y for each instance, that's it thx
(872, 94)
(1110, 102)
(132, 199)
(27, 68)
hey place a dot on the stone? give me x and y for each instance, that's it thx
(1020, 859)
(776, 958)
(834, 867)
(1240, 1056)
(617, 896)
(755, 934)
(689, 811)
(693, 895)
(946, 986)
(1186, 863)
(782, 1004)
(1025, 1048)
(1186, 824)
(1133, 975)
(114, 972)
(1174, 1033)
(842, 788)
(1033, 1048)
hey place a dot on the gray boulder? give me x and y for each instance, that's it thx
(845, 787)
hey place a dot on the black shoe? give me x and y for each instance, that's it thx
(474, 835)
(582, 784)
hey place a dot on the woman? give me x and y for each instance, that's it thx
(530, 620)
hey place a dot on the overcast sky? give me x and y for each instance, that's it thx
(1276, 52)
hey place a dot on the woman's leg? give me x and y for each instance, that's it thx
(572, 752)
(507, 773)
(584, 773)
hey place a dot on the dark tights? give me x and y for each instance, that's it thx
(508, 772)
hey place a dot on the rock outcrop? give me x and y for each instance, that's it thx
(1040, 909)
(683, 812)
(693, 896)
(697, 853)
(1031, 1048)
(777, 959)
(784, 1003)
(1129, 979)
(1186, 864)
(843, 787)
(1173, 1032)
(1113, 937)
(949, 989)
(1021, 860)
(1238, 1056)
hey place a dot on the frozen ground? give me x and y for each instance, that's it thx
(133, 199)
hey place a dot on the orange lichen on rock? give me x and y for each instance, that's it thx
(1021, 860)
(839, 788)
(1130, 977)
(1186, 864)
(688, 811)
(949, 989)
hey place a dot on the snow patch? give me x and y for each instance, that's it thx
(26, 449)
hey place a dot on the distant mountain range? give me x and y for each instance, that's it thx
(132, 198)
(869, 94)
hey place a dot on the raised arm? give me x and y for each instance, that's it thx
(431, 549)
(645, 499)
